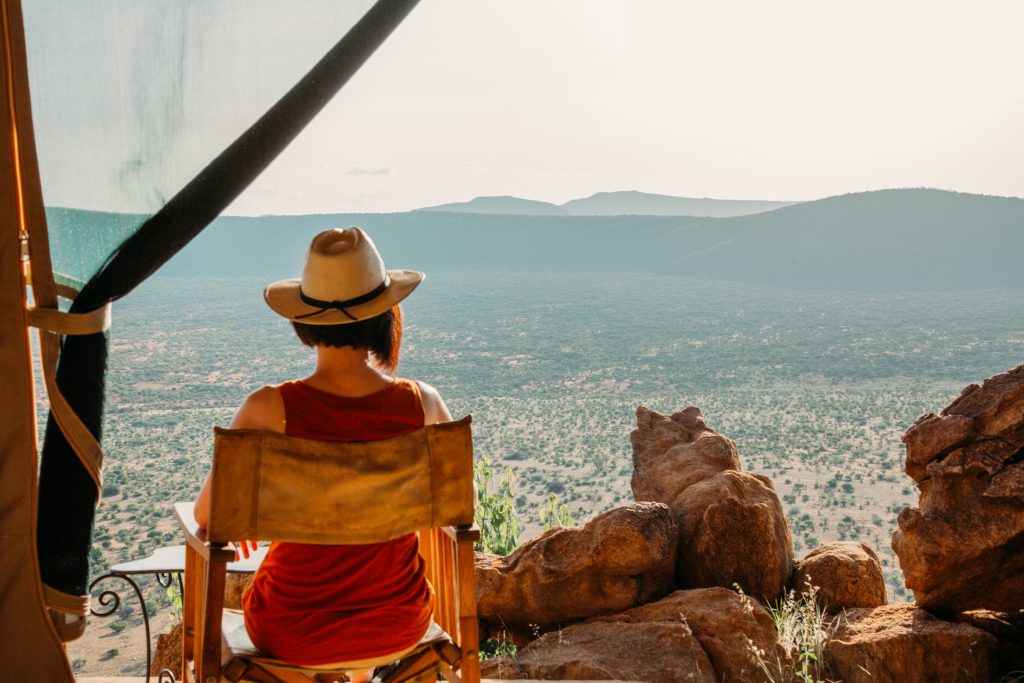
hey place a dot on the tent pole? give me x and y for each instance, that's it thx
(30, 649)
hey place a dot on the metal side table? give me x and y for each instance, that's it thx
(166, 564)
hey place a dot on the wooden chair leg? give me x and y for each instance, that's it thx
(188, 609)
(469, 636)
(209, 647)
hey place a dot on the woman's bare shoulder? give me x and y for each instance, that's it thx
(262, 409)
(434, 409)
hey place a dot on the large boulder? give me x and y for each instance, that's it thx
(654, 652)
(733, 532)
(962, 547)
(622, 558)
(729, 626)
(902, 644)
(732, 527)
(844, 574)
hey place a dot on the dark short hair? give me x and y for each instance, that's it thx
(381, 335)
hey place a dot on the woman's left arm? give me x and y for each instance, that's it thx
(262, 409)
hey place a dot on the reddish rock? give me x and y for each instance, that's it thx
(732, 528)
(932, 435)
(671, 453)
(234, 585)
(962, 547)
(622, 558)
(902, 644)
(733, 532)
(846, 575)
(727, 624)
(168, 653)
(1008, 630)
(654, 652)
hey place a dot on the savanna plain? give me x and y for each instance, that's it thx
(816, 388)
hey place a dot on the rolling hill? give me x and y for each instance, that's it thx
(914, 239)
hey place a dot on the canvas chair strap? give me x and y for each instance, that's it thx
(53, 323)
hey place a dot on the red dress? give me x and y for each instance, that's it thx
(319, 604)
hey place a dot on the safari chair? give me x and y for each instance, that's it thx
(272, 487)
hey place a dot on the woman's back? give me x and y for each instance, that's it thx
(315, 604)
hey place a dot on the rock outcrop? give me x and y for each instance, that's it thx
(846, 575)
(654, 652)
(671, 453)
(678, 460)
(903, 644)
(620, 559)
(167, 654)
(1008, 630)
(734, 533)
(962, 548)
(728, 625)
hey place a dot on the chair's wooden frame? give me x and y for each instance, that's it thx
(448, 555)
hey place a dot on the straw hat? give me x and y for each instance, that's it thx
(343, 281)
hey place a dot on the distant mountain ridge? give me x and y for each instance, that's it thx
(631, 203)
(624, 203)
(907, 239)
(501, 205)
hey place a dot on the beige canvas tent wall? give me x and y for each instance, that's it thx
(160, 167)
(30, 648)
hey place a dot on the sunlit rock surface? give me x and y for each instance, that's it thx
(903, 644)
(622, 558)
(671, 453)
(962, 548)
(733, 531)
(655, 652)
(728, 625)
(846, 574)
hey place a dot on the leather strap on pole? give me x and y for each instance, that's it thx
(53, 323)
(77, 605)
(59, 322)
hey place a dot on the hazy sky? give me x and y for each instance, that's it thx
(558, 99)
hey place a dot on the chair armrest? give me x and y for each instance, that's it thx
(196, 538)
(464, 533)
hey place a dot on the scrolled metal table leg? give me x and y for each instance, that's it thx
(108, 595)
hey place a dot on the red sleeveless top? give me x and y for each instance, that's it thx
(319, 604)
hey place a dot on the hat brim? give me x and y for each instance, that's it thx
(283, 298)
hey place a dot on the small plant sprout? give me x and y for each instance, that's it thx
(803, 630)
(554, 513)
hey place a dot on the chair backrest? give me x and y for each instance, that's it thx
(268, 486)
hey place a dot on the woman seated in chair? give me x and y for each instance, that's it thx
(361, 605)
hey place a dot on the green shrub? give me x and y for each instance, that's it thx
(496, 509)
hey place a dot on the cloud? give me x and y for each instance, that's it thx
(368, 170)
